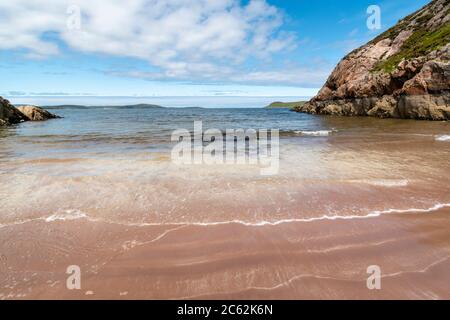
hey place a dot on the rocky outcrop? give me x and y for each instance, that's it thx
(403, 73)
(422, 107)
(36, 114)
(9, 114)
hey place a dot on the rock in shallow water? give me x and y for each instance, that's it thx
(420, 107)
(34, 113)
(11, 115)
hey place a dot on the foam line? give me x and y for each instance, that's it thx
(74, 215)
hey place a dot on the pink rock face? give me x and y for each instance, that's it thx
(36, 114)
(433, 77)
(353, 77)
(356, 76)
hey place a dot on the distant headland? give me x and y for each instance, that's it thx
(285, 105)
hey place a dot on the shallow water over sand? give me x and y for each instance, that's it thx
(98, 189)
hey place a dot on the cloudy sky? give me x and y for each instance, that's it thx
(180, 47)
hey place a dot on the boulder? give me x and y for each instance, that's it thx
(34, 113)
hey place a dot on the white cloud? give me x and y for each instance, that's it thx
(298, 76)
(183, 39)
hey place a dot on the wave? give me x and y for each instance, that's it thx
(318, 133)
(373, 214)
(390, 183)
(69, 215)
(444, 137)
(436, 207)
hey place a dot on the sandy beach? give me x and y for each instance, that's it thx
(325, 259)
(225, 150)
(350, 194)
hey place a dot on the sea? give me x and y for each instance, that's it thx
(98, 193)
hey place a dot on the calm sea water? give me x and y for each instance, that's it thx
(121, 130)
(98, 189)
(114, 164)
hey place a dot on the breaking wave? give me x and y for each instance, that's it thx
(70, 215)
(319, 133)
(66, 215)
(444, 137)
(390, 183)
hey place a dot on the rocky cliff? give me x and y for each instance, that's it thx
(403, 73)
(11, 115)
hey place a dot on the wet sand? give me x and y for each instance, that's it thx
(369, 192)
(295, 260)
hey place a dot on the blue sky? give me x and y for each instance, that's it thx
(180, 47)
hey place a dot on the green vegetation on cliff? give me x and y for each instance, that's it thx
(420, 43)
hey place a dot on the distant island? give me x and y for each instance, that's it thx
(285, 105)
(13, 114)
(133, 106)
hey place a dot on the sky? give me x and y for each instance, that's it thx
(181, 47)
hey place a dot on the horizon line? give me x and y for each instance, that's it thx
(155, 96)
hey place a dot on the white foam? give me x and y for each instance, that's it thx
(390, 183)
(76, 214)
(16, 223)
(278, 222)
(319, 133)
(373, 214)
(436, 207)
(444, 137)
(66, 215)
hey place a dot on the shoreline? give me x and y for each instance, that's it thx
(288, 261)
(71, 215)
(91, 192)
